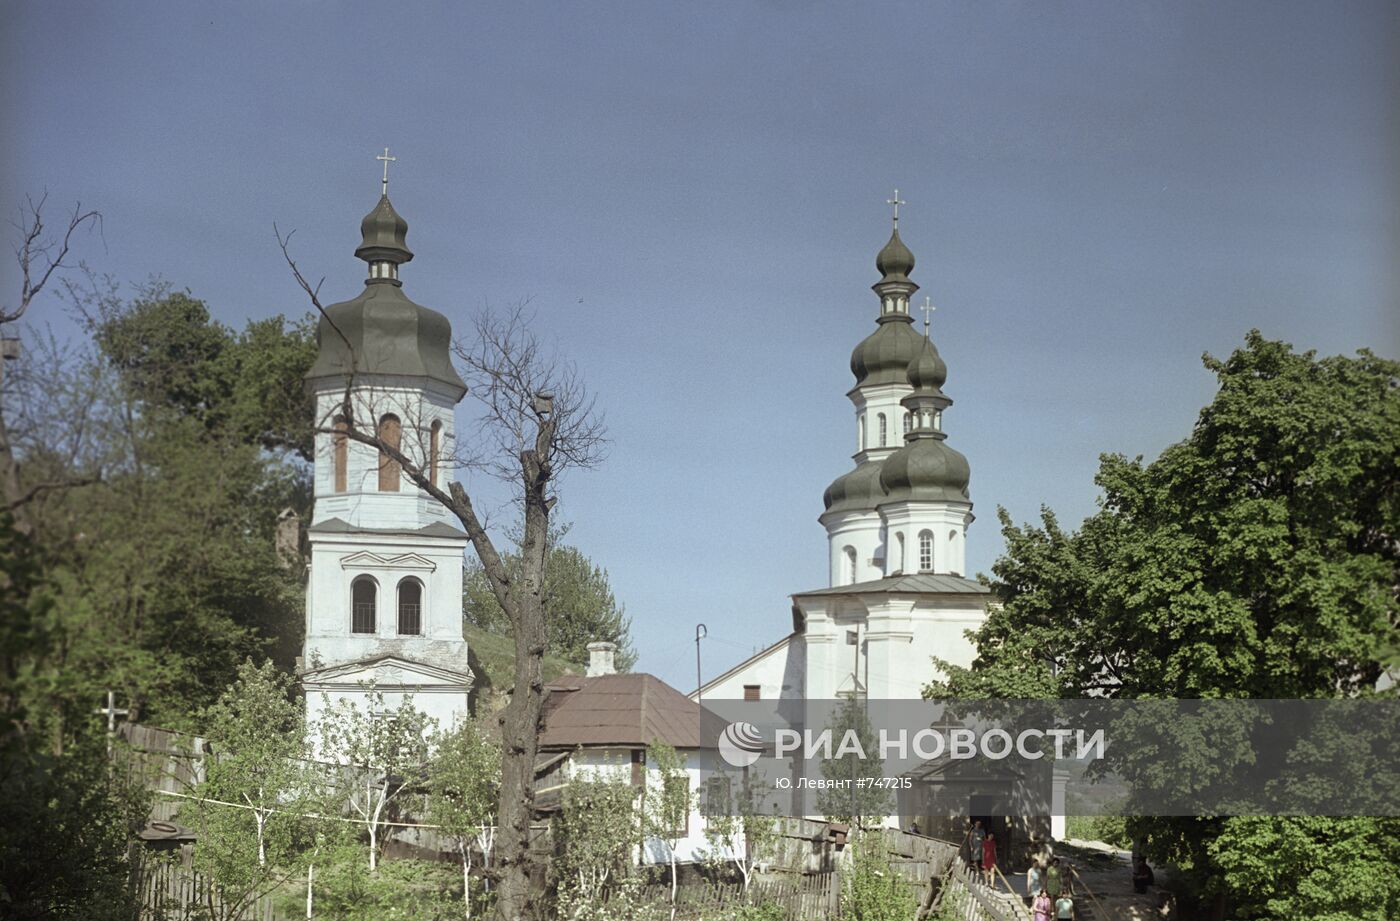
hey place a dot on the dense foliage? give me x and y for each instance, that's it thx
(580, 607)
(1258, 558)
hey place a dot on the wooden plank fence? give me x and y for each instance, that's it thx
(167, 891)
(805, 897)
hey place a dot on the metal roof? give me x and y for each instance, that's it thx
(629, 711)
(915, 583)
(341, 526)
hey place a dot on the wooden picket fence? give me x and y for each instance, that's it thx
(805, 897)
(167, 891)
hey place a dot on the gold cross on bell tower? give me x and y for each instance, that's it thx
(896, 202)
(387, 160)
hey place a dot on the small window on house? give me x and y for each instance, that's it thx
(410, 607)
(435, 451)
(362, 598)
(925, 551)
(751, 692)
(850, 565)
(390, 430)
(340, 450)
(884, 435)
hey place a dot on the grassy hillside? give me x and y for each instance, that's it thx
(492, 658)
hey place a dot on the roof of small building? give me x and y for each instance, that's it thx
(914, 583)
(627, 711)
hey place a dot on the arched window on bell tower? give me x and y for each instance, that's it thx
(340, 451)
(850, 565)
(390, 432)
(410, 607)
(435, 452)
(925, 551)
(884, 431)
(362, 604)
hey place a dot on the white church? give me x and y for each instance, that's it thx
(896, 533)
(384, 595)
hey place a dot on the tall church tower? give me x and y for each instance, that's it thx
(896, 597)
(905, 507)
(384, 598)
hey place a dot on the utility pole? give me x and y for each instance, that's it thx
(701, 631)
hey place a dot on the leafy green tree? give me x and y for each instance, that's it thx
(258, 763)
(580, 607)
(67, 815)
(382, 750)
(1258, 558)
(739, 829)
(463, 777)
(666, 802)
(173, 356)
(854, 771)
(595, 833)
(872, 890)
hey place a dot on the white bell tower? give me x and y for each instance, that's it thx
(384, 597)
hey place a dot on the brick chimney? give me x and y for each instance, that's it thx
(600, 659)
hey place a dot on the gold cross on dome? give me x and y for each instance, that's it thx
(387, 160)
(896, 202)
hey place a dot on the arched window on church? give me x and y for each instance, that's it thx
(908, 421)
(435, 451)
(390, 431)
(340, 451)
(860, 433)
(884, 434)
(410, 607)
(952, 549)
(925, 551)
(362, 597)
(899, 551)
(850, 565)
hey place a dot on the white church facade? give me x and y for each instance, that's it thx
(896, 525)
(384, 595)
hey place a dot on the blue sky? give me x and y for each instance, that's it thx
(692, 199)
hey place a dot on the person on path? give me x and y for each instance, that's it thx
(1034, 877)
(1042, 907)
(976, 837)
(1064, 908)
(989, 860)
(1054, 878)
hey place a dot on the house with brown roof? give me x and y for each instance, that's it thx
(599, 725)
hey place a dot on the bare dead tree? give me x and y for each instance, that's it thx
(537, 420)
(40, 256)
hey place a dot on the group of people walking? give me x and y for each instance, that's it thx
(1047, 880)
(1051, 890)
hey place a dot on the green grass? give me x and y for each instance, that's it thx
(492, 656)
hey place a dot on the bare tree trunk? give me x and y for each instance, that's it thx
(520, 720)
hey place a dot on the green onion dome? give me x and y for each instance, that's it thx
(883, 357)
(383, 235)
(895, 261)
(857, 491)
(927, 371)
(382, 332)
(926, 468)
